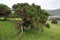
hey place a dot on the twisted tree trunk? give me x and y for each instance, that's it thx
(20, 35)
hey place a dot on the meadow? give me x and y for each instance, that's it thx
(8, 28)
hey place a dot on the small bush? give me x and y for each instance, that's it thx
(47, 25)
(54, 21)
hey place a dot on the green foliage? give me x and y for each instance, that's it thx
(26, 10)
(19, 5)
(4, 10)
(54, 21)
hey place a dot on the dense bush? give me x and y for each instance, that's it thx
(4, 11)
(54, 21)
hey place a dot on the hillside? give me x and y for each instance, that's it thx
(55, 12)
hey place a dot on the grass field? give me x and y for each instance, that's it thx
(7, 29)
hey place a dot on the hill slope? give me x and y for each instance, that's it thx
(55, 12)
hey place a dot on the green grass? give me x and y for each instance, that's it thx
(7, 29)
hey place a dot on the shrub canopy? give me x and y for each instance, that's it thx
(4, 10)
(30, 13)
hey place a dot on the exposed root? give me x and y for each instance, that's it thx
(19, 33)
(19, 37)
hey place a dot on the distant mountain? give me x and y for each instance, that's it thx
(55, 12)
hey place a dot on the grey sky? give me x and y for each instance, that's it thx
(45, 4)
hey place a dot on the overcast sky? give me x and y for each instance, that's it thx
(45, 4)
